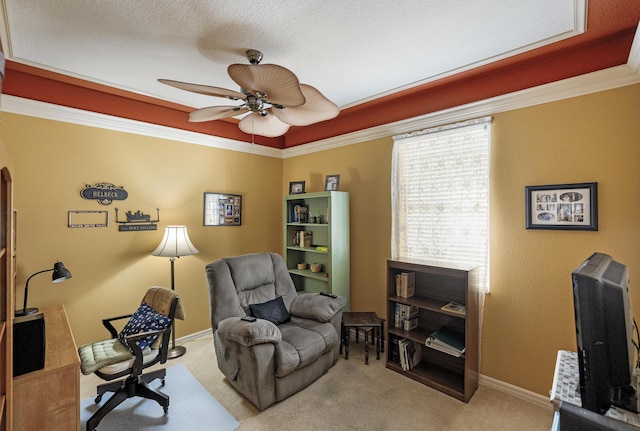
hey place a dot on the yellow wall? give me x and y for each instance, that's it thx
(111, 269)
(528, 316)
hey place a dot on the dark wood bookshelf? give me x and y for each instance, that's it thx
(436, 285)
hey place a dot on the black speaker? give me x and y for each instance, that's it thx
(29, 344)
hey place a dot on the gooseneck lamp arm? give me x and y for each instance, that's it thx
(25, 310)
(60, 273)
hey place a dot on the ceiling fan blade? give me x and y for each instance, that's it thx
(215, 113)
(269, 125)
(318, 108)
(205, 89)
(279, 84)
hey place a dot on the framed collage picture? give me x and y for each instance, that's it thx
(562, 206)
(222, 209)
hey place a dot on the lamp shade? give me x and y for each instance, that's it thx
(60, 273)
(175, 243)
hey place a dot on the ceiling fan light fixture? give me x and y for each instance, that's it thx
(268, 125)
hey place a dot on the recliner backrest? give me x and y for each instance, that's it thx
(236, 282)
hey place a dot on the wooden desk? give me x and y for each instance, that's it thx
(49, 399)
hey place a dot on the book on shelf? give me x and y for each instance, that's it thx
(300, 214)
(406, 284)
(448, 341)
(394, 351)
(410, 324)
(306, 238)
(444, 349)
(410, 353)
(455, 307)
(403, 313)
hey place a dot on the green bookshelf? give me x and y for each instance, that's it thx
(326, 216)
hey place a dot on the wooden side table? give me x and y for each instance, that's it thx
(370, 323)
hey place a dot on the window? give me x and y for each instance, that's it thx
(440, 195)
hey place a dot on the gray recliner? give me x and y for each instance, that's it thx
(294, 340)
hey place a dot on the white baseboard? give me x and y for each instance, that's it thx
(515, 391)
(485, 381)
(195, 335)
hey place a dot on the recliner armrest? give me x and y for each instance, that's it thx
(249, 333)
(317, 307)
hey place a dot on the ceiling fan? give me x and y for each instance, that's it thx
(272, 95)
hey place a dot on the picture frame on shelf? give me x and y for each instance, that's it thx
(222, 209)
(562, 206)
(296, 187)
(331, 183)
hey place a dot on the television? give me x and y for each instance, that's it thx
(604, 333)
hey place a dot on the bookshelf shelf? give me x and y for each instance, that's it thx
(307, 249)
(325, 216)
(435, 286)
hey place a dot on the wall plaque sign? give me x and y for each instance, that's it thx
(137, 221)
(81, 218)
(104, 193)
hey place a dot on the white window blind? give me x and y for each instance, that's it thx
(440, 195)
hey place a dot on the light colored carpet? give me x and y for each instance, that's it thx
(355, 396)
(190, 406)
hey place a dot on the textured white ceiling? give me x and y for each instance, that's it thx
(352, 51)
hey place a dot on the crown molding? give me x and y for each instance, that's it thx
(33, 108)
(594, 82)
(615, 77)
(634, 54)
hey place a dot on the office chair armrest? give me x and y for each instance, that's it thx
(249, 333)
(107, 324)
(137, 352)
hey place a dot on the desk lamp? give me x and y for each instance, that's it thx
(60, 273)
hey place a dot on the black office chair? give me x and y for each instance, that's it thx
(143, 342)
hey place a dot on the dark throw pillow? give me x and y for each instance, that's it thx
(274, 311)
(144, 319)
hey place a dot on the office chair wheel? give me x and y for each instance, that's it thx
(163, 382)
(166, 409)
(98, 399)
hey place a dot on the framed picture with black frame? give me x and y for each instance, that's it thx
(562, 206)
(222, 209)
(331, 183)
(296, 187)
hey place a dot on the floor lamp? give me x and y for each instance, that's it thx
(175, 243)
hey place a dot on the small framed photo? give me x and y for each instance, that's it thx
(332, 182)
(296, 187)
(222, 209)
(562, 206)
